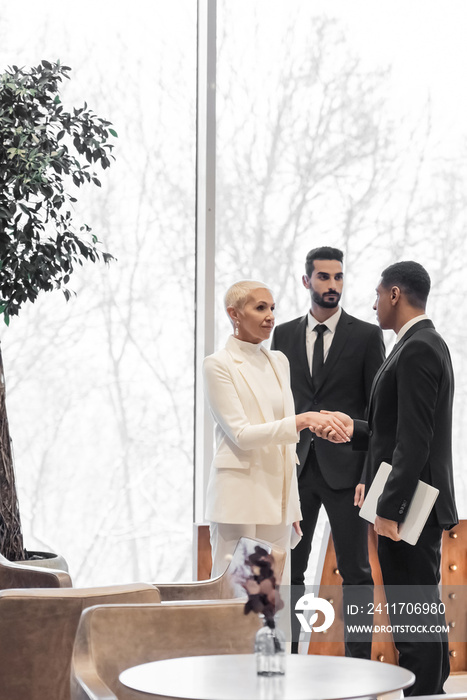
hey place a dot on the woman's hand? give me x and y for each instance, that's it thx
(327, 426)
(297, 528)
(331, 428)
(344, 418)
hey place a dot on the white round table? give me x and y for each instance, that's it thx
(234, 677)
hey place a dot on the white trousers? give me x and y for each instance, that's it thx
(224, 538)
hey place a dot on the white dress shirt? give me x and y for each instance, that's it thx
(408, 325)
(328, 335)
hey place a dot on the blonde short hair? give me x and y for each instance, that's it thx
(237, 294)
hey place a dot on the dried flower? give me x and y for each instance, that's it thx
(263, 598)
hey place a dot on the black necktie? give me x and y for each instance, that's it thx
(318, 353)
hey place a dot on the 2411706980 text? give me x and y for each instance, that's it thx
(398, 608)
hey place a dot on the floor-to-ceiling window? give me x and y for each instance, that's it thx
(337, 123)
(344, 123)
(100, 390)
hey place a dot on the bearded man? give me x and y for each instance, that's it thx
(333, 360)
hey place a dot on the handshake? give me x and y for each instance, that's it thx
(334, 426)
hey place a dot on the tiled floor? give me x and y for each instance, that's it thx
(456, 683)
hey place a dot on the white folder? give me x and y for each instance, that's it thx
(294, 538)
(419, 509)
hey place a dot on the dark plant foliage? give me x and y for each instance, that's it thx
(46, 153)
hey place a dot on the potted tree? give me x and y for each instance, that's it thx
(46, 154)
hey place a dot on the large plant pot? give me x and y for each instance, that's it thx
(46, 560)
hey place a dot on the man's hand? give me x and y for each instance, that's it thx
(328, 427)
(359, 495)
(387, 528)
(344, 418)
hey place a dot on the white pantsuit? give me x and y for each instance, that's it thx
(252, 488)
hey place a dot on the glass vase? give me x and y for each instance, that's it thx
(270, 649)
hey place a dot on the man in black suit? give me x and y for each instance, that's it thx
(409, 426)
(333, 359)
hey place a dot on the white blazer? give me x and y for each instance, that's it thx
(255, 454)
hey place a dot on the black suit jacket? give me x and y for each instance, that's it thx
(355, 355)
(409, 424)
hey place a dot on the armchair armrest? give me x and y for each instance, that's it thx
(196, 590)
(16, 575)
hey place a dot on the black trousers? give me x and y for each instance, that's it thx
(350, 536)
(411, 574)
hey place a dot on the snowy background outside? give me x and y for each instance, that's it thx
(339, 123)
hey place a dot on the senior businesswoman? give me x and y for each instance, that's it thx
(252, 489)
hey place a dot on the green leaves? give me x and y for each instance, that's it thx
(43, 150)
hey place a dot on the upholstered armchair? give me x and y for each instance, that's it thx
(19, 575)
(224, 586)
(37, 632)
(111, 638)
(195, 618)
